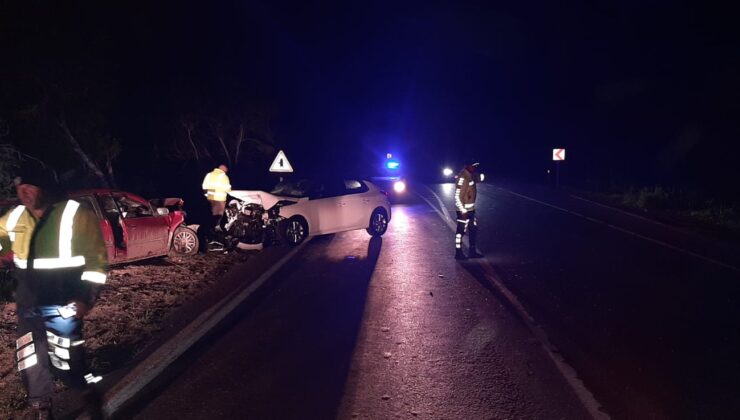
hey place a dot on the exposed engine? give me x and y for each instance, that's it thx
(249, 223)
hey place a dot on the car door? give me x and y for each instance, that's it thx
(146, 232)
(325, 207)
(355, 203)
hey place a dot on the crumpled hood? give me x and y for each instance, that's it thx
(262, 198)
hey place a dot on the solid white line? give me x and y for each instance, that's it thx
(444, 218)
(146, 371)
(636, 216)
(441, 203)
(629, 232)
(587, 398)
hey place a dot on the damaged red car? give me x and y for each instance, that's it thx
(134, 228)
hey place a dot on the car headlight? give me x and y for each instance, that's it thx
(447, 172)
(399, 186)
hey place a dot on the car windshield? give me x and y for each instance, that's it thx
(299, 188)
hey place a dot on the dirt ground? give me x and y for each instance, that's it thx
(136, 298)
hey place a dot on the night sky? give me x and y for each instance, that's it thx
(638, 93)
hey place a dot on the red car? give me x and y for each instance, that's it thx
(134, 228)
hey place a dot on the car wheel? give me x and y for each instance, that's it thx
(185, 241)
(296, 230)
(378, 223)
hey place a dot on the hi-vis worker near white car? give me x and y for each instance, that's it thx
(216, 186)
(465, 194)
(60, 265)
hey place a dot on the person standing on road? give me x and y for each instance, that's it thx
(465, 194)
(216, 185)
(60, 264)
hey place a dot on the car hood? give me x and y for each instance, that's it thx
(263, 198)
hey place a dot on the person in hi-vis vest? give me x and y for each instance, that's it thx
(216, 186)
(465, 194)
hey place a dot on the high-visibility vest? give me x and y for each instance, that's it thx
(68, 250)
(465, 192)
(216, 183)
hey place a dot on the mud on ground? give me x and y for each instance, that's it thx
(135, 300)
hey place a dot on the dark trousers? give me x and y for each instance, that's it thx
(469, 224)
(49, 346)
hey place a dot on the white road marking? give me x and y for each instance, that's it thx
(629, 232)
(441, 203)
(148, 370)
(587, 398)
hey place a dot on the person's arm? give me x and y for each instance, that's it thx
(87, 241)
(459, 190)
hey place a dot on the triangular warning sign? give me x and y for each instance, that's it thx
(281, 164)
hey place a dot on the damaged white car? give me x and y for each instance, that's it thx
(293, 210)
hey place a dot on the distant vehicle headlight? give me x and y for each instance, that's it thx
(447, 172)
(482, 177)
(399, 186)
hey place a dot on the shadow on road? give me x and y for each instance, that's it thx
(286, 352)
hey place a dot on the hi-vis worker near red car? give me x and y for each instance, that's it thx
(60, 265)
(465, 194)
(216, 186)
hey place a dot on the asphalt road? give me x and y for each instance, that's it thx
(648, 315)
(366, 328)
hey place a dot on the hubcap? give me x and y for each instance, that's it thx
(379, 223)
(184, 242)
(295, 231)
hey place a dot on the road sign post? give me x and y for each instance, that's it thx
(558, 156)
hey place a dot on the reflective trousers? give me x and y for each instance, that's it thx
(469, 224)
(49, 346)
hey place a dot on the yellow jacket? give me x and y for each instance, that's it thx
(68, 255)
(465, 192)
(217, 184)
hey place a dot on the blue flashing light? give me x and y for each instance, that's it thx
(392, 164)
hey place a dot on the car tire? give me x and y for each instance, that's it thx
(378, 222)
(296, 230)
(185, 241)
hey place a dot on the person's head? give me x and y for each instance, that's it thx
(223, 167)
(36, 185)
(472, 166)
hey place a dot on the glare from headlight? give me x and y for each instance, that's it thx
(447, 172)
(399, 186)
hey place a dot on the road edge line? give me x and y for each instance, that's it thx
(147, 370)
(586, 397)
(628, 232)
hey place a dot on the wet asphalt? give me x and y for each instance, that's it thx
(381, 328)
(647, 314)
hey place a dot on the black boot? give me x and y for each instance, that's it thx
(459, 254)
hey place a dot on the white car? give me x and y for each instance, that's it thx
(323, 207)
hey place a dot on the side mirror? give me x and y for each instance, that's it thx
(163, 211)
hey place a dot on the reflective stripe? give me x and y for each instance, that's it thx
(58, 363)
(51, 263)
(22, 341)
(460, 181)
(470, 205)
(27, 363)
(65, 230)
(13, 220)
(25, 352)
(92, 379)
(58, 341)
(62, 353)
(94, 276)
(78, 343)
(65, 259)
(471, 183)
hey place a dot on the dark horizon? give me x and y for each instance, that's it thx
(638, 94)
